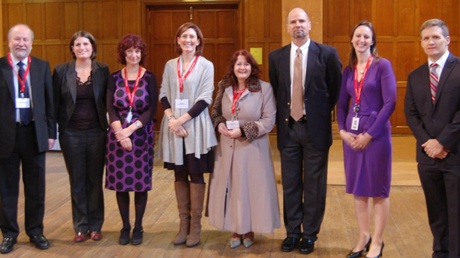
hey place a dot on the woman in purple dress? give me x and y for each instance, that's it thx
(132, 96)
(367, 100)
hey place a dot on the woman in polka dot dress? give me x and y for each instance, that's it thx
(132, 96)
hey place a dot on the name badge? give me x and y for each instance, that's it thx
(355, 123)
(23, 103)
(129, 117)
(232, 124)
(181, 103)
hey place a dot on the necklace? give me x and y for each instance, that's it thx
(361, 72)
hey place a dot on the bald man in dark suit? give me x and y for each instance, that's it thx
(24, 137)
(304, 142)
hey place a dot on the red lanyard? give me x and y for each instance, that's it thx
(131, 93)
(236, 97)
(359, 88)
(182, 78)
(22, 83)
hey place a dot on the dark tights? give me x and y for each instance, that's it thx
(183, 176)
(140, 202)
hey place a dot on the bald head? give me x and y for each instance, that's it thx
(298, 26)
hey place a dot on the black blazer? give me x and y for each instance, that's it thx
(42, 105)
(65, 91)
(322, 87)
(440, 120)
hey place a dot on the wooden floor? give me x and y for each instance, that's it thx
(407, 233)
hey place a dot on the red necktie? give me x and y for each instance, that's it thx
(433, 81)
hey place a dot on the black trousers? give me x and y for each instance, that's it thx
(84, 158)
(441, 185)
(304, 176)
(33, 175)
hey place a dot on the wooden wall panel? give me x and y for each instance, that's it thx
(34, 18)
(384, 8)
(262, 29)
(109, 17)
(405, 17)
(397, 25)
(130, 11)
(71, 19)
(54, 15)
(90, 21)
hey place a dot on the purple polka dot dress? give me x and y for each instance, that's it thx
(131, 170)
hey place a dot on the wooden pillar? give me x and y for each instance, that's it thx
(1, 27)
(314, 9)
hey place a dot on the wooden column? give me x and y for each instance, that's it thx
(315, 12)
(1, 27)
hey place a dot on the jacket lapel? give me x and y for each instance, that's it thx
(312, 57)
(8, 75)
(71, 80)
(448, 67)
(95, 77)
(285, 62)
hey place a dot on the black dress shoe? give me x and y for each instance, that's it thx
(306, 246)
(7, 245)
(137, 237)
(289, 244)
(40, 242)
(124, 236)
(352, 254)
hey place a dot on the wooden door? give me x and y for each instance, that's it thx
(218, 22)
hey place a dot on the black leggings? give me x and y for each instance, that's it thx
(140, 202)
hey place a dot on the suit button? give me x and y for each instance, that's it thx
(287, 119)
(289, 103)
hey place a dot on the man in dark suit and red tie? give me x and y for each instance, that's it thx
(28, 130)
(432, 108)
(306, 78)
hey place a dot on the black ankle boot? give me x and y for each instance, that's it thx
(137, 236)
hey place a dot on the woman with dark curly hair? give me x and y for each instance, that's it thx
(132, 96)
(79, 92)
(243, 196)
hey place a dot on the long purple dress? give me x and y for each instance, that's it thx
(368, 171)
(131, 170)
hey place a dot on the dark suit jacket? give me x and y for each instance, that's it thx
(42, 103)
(65, 91)
(322, 87)
(440, 120)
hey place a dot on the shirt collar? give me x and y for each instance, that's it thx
(15, 61)
(303, 48)
(441, 61)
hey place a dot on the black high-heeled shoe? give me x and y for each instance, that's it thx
(381, 252)
(358, 254)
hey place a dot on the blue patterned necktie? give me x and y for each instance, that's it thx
(25, 113)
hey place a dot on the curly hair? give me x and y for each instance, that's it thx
(131, 41)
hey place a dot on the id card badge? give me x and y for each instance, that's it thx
(232, 124)
(355, 123)
(181, 103)
(129, 117)
(23, 103)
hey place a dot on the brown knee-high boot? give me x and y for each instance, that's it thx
(197, 198)
(183, 204)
